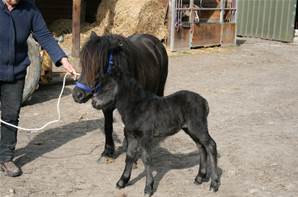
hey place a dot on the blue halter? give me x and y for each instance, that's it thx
(97, 88)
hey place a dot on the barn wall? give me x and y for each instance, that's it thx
(272, 19)
(91, 10)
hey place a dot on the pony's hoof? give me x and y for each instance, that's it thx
(105, 160)
(107, 156)
(108, 152)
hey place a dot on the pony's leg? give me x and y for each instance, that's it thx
(202, 173)
(200, 131)
(131, 154)
(147, 160)
(108, 126)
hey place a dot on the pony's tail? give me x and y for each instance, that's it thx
(163, 78)
(163, 69)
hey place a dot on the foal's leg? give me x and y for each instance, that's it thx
(200, 130)
(202, 173)
(146, 157)
(130, 158)
(109, 144)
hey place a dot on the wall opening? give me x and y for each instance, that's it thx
(56, 9)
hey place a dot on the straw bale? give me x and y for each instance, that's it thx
(127, 17)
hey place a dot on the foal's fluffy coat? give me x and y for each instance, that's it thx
(149, 118)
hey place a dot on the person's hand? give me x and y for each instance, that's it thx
(69, 67)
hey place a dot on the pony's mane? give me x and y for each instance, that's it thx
(94, 55)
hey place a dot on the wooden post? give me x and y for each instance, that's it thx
(76, 16)
(172, 16)
(191, 22)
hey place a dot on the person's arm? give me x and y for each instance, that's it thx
(46, 40)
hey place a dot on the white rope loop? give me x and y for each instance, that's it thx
(33, 130)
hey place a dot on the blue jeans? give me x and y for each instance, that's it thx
(11, 101)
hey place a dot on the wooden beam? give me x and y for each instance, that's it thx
(76, 16)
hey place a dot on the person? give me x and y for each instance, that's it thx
(18, 19)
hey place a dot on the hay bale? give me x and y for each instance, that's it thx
(61, 27)
(124, 17)
(127, 17)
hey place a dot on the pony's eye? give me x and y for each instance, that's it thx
(108, 87)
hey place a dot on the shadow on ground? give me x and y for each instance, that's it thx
(240, 41)
(164, 161)
(48, 92)
(52, 139)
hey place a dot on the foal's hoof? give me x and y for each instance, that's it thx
(214, 185)
(147, 195)
(120, 184)
(135, 165)
(148, 190)
(201, 179)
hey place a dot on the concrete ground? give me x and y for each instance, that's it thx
(253, 96)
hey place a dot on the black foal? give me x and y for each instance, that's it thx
(149, 118)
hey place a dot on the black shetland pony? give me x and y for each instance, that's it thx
(141, 56)
(149, 118)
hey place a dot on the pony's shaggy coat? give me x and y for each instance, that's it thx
(141, 56)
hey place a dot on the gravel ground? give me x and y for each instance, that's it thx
(253, 96)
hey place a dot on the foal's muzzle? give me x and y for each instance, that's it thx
(100, 104)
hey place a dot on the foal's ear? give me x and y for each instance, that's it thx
(93, 35)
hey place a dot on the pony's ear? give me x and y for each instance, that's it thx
(93, 35)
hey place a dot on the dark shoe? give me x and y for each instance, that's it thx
(10, 169)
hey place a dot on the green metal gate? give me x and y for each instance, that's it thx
(268, 19)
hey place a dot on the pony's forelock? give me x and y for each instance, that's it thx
(93, 58)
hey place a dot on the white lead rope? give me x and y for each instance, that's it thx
(47, 124)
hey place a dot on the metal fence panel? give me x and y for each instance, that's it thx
(268, 19)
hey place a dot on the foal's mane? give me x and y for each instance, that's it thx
(94, 55)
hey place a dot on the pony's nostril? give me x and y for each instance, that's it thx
(80, 95)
